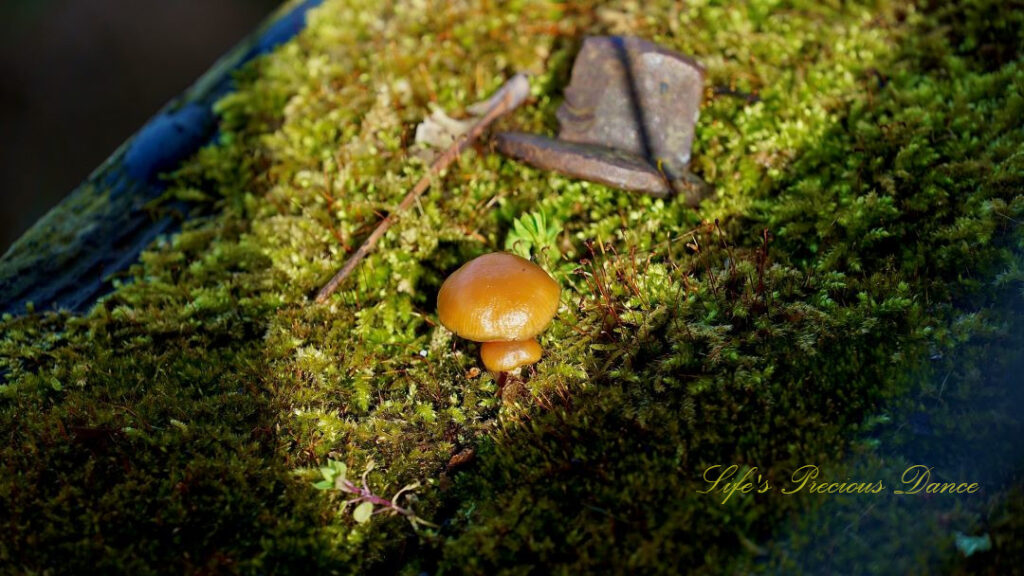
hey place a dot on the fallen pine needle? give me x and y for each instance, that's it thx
(509, 97)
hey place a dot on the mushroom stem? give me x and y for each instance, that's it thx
(507, 356)
(502, 379)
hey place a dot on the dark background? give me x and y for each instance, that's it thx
(78, 77)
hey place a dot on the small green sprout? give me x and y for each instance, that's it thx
(366, 502)
(534, 236)
(970, 545)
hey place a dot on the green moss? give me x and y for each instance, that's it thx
(179, 425)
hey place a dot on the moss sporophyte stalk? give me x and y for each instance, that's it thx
(858, 304)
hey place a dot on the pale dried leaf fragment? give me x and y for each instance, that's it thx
(439, 131)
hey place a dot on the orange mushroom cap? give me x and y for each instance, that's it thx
(498, 297)
(507, 356)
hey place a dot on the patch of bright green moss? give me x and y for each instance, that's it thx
(179, 425)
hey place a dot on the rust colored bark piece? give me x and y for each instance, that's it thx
(595, 163)
(627, 121)
(635, 96)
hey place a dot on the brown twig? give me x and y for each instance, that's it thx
(511, 95)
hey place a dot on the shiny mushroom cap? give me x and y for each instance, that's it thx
(507, 356)
(498, 297)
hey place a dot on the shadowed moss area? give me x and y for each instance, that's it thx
(866, 220)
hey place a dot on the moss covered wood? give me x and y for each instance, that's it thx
(859, 263)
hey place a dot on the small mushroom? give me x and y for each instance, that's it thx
(503, 301)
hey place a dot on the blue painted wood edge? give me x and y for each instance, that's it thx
(174, 135)
(68, 258)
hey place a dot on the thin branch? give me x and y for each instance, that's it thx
(511, 95)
